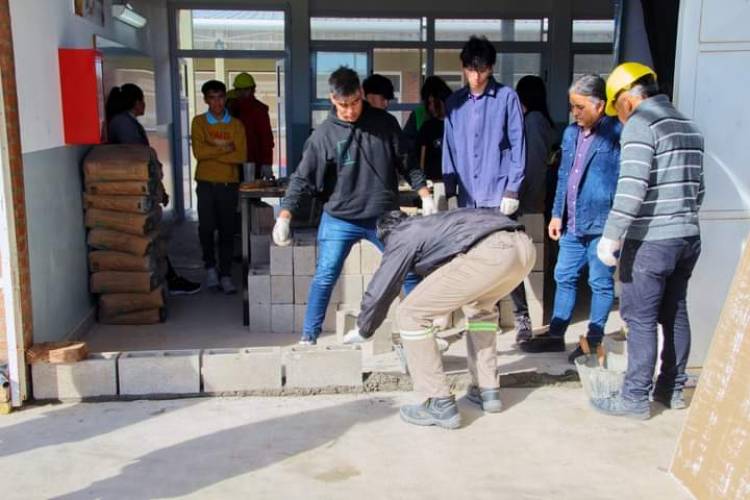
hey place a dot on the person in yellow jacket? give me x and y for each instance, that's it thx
(219, 146)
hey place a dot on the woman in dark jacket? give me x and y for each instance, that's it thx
(124, 105)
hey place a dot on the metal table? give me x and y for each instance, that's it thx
(247, 195)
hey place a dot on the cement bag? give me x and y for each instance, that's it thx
(107, 239)
(138, 224)
(146, 317)
(123, 282)
(121, 162)
(104, 260)
(115, 304)
(132, 204)
(133, 188)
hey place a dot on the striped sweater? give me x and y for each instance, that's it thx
(660, 188)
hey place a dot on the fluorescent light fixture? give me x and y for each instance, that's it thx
(125, 13)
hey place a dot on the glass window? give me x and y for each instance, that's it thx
(230, 30)
(509, 68)
(369, 29)
(598, 64)
(496, 30)
(593, 31)
(405, 69)
(325, 63)
(318, 117)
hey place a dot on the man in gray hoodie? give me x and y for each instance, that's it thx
(470, 259)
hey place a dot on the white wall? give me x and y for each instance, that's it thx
(712, 71)
(40, 27)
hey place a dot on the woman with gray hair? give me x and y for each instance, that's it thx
(585, 188)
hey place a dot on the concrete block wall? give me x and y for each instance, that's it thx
(95, 376)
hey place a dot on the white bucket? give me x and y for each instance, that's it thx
(601, 382)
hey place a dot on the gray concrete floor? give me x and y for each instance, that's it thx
(546, 444)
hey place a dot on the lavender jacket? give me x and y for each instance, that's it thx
(484, 148)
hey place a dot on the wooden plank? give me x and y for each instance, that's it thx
(713, 453)
(57, 352)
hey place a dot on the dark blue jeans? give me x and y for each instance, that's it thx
(335, 239)
(655, 277)
(576, 252)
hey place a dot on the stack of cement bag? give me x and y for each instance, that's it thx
(127, 256)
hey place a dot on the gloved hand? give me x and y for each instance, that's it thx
(353, 337)
(607, 251)
(429, 206)
(508, 206)
(266, 172)
(280, 232)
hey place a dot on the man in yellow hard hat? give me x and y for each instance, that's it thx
(255, 118)
(654, 220)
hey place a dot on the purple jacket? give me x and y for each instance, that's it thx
(484, 148)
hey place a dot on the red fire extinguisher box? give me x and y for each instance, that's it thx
(82, 95)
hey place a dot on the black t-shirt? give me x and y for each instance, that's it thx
(431, 136)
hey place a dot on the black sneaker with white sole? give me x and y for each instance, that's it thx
(182, 286)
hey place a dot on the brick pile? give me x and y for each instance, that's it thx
(127, 255)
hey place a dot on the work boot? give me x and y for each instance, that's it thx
(181, 286)
(212, 278)
(675, 401)
(227, 286)
(619, 406)
(442, 412)
(523, 329)
(544, 343)
(487, 399)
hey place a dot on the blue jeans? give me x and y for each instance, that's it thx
(576, 252)
(335, 239)
(654, 277)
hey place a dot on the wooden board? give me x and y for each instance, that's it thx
(57, 352)
(713, 453)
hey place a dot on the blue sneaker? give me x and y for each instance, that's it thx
(675, 402)
(619, 406)
(442, 412)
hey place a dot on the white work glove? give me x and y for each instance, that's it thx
(353, 337)
(606, 250)
(429, 206)
(266, 172)
(281, 232)
(508, 206)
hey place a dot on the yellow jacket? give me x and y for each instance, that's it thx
(214, 163)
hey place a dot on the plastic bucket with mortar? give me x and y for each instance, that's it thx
(601, 381)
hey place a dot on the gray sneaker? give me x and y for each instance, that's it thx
(212, 278)
(442, 412)
(675, 402)
(523, 329)
(487, 399)
(619, 406)
(227, 286)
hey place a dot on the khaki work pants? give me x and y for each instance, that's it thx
(475, 282)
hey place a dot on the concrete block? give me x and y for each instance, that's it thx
(392, 315)
(282, 261)
(159, 372)
(366, 279)
(259, 286)
(336, 293)
(247, 369)
(282, 318)
(351, 288)
(535, 286)
(539, 262)
(381, 341)
(329, 323)
(299, 317)
(305, 236)
(370, 258)
(438, 194)
(353, 262)
(282, 290)
(92, 377)
(535, 227)
(261, 218)
(260, 250)
(260, 318)
(318, 366)
(301, 289)
(304, 260)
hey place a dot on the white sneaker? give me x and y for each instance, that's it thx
(227, 286)
(212, 278)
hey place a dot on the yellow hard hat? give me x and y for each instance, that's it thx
(244, 81)
(622, 78)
